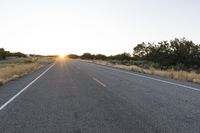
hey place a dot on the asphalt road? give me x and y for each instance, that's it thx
(73, 96)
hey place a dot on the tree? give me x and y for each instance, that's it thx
(175, 52)
(140, 50)
(185, 52)
(2, 54)
(19, 54)
(87, 56)
(100, 57)
(123, 56)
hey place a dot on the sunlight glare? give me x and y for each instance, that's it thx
(62, 56)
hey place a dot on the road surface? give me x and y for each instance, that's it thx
(74, 96)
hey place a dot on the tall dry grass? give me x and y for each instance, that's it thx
(178, 75)
(43, 59)
(13, 71)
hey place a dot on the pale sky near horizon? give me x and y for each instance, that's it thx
(95, 26)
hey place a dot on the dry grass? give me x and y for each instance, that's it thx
(44, 59)
(13, 71)
(14, 67)
(179, 75)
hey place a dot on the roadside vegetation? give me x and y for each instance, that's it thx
(178, 59)
(15, 65)
(12, 71)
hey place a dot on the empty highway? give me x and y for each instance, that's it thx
(74, 96)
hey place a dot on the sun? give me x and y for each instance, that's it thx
(62, 56)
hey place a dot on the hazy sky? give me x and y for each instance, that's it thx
(96, 26)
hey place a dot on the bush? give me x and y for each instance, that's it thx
(2, 54)
(28, 61)
(73, 56)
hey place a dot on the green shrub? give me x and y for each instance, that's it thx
(28, 61)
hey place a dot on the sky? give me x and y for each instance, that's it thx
(96, 26)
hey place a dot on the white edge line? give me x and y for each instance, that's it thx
(155, 79)
(99, 82)
(21, 91)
